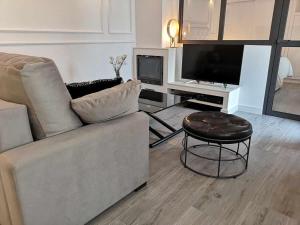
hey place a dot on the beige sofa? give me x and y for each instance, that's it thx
(54, 170)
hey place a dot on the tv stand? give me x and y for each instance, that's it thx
(225, 97)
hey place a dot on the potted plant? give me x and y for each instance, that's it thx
(117, 63)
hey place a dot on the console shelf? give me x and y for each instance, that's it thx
(210, 94)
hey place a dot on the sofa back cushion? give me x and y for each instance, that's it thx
(36, 83)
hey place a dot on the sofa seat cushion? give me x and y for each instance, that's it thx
(109, 104)
(14, 126)
(36, 83)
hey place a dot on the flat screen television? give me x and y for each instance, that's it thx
(212, 63)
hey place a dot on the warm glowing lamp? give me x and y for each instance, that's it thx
(173, 29)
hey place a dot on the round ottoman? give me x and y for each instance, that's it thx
(221, 131)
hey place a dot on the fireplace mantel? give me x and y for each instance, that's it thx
(169, 65)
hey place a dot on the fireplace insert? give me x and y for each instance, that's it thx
(150, 69)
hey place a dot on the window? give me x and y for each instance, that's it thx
(248, 19)
(287, 90)
(292, 31)
(201, 19)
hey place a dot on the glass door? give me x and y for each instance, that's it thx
(284, 94)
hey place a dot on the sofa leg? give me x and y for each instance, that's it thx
(140, 187)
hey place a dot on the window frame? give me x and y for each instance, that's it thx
(270, 41)
(275, 60)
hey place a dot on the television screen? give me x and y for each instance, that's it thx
(212, 63)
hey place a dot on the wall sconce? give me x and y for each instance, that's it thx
(173, 29)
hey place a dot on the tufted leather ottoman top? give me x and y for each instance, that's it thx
(217, 126)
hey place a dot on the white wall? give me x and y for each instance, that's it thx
(78, 35)
(254, 78)
(79, 62)
(148, 23)
(152, 17)
(170, 9)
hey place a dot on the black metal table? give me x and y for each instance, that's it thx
(152, 102)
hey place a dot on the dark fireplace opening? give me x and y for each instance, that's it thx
(150, 69)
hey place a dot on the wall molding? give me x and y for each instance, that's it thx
(62, 31)
(26, 36)
(68, 42)
(66, 31)
(110, 30)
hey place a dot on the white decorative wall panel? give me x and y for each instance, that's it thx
(120, 20)
(51, 16)
(66, 21)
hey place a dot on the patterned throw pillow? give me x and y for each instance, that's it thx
(80, 89)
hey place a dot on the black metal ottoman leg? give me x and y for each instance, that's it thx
(248, 152)
(238, 149)
(220, 157)
(185, 148)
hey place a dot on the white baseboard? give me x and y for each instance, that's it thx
(290, 80)
(250, 109)
(232, 110)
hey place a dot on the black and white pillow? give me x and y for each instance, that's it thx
(80, 89)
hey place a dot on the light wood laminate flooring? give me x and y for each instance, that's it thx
(267, 194)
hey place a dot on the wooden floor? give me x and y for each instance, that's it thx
(267, 194)
(287, 99)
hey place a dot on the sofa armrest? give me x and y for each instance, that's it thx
(14, 131)
(14, 126)
(72, 177)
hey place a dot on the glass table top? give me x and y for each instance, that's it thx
(152, 102)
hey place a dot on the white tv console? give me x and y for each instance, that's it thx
(229, 95)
